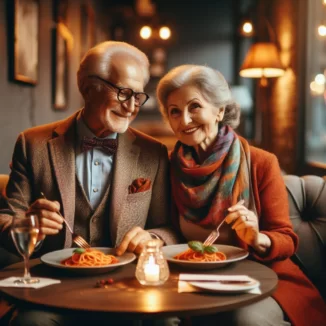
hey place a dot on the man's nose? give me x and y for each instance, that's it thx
(129, 105)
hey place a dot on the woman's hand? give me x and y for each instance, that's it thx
(133, 241)
(50, 222)
(245, 223)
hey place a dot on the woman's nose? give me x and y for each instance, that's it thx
(186, 119)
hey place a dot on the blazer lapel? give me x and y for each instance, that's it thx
(124, 164)
(62, 153)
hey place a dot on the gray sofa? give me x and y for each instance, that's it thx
(307, 201)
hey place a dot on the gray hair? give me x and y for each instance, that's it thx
(97, 61)
(210, 82)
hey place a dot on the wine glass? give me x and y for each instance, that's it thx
(24, 231)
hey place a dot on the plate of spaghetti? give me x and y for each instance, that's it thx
(190, 256)
(87, 261)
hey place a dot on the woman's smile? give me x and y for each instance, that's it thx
(190, 130)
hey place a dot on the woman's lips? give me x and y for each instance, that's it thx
(190, 130)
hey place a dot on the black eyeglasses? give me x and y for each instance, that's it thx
(124, 94)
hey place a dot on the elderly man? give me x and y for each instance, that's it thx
(108, 180)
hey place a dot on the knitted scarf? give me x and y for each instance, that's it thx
(204, 192)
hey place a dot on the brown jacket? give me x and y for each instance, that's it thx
(44, 161)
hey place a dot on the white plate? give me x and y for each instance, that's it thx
(218, 287)
(233, 254)
(54, 259)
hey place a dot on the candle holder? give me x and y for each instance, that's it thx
(152, 268)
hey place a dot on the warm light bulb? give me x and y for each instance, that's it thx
(324, 2)
(165, 32)
(145, 32)
(247, 28)
(317, 89)
(322, 30)
(320, 79)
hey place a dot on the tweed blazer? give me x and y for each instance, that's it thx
(44, 161)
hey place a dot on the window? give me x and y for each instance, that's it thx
(315, 103)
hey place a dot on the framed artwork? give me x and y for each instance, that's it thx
(62, 46)
(60, 11)
(87, 28)
(23, 24)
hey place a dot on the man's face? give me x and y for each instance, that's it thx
(104, 113)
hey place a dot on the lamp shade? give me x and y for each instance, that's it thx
(262, 61)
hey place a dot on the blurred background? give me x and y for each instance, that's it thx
(272, 53)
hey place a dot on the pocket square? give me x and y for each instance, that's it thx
(139, 185)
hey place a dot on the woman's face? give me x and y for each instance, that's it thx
(192, 118)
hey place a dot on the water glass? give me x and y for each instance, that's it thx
(24, 231)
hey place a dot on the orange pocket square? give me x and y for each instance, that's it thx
(139, 185)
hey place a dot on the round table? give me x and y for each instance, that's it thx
(127, 297)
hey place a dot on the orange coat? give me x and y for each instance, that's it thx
(296, 295)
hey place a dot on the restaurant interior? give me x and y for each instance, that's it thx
(271, 52)
(284, 114)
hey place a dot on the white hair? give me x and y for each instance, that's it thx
(97, 61)
(209, 81)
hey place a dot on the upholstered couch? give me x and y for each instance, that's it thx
(307, 200)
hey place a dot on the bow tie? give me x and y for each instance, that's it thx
(108, 145)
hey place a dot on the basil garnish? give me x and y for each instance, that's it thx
(79, 251)
(210, 249)
(199, 247)
(196, 246)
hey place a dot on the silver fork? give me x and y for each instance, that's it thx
(215, 233)
(76, 238)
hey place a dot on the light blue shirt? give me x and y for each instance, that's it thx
(94, 166)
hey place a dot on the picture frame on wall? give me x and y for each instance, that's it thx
(23, 41)
(87, 28)
(60, 11)
(62, 46)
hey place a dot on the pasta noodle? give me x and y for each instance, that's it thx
(90, 257)
(191, 255)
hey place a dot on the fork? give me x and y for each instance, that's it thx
(76, 238)
(215, 233)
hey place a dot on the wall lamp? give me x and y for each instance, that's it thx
(262, 61)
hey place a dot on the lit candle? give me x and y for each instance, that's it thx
(152, 271)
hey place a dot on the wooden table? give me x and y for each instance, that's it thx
(126, 296)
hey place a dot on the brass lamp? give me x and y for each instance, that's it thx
(262, 61)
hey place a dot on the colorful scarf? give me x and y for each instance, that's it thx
(204, 192)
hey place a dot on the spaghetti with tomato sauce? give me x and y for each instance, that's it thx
(89, 258)
(191, 255)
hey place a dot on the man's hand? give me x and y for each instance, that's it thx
(133, 241)
(50, 222)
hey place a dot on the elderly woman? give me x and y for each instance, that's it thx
(215, 173)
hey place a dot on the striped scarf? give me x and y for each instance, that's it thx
(204, 192)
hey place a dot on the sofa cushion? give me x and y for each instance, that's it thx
(307, 201)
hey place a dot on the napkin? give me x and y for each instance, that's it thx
(185, 286)
(9, 282)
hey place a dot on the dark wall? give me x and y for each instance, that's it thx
(204, 32)
(23, 106)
